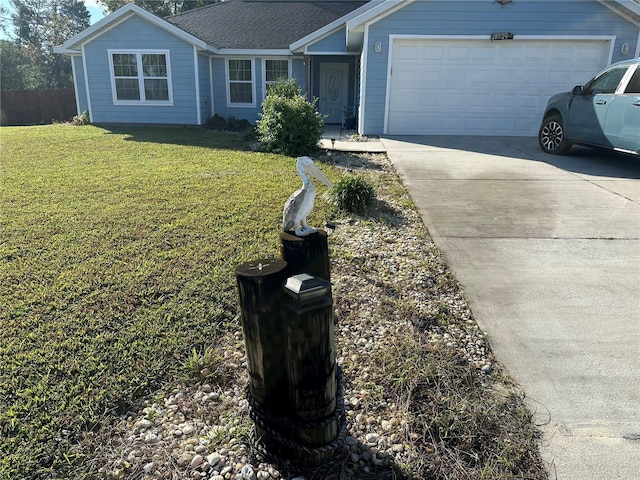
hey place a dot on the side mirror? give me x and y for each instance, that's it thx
(577, 90)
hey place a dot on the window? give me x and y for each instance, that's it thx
(607, 82)
(634, 83)
(240, 85)
(275, 70)
(140, 76)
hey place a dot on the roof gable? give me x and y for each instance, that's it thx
(74, 44)
(629, 9)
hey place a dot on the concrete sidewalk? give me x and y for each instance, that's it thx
(548, 252)
(336, 138)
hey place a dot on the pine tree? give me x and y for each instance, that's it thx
(38, 26)
(162, 8)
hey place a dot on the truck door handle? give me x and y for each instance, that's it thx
(601, 102)
(637, 104)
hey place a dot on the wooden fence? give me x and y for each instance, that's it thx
(36, 107)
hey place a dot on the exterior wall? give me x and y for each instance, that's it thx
(299, 72)
(136, 33)
(250, 113)
(221, 107)
(481, 17)
(334, 43)
(205, 88)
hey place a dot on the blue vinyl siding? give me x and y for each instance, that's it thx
(136, 33)
(299, 72)
(249, 113)
(481, 17)
(205, 88)
(334, 43)
(220, 93)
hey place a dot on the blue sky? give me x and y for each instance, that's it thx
(92, 5)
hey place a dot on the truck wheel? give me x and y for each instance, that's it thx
(551, 136)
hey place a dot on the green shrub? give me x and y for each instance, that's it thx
(353, 194)
(81, 119)
(289, 124)
(285, 88)
(230, 124)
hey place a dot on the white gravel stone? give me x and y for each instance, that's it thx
(144, 424)
(248, 473)
(187, 430)
(196, 461)
(371, 438)
(151, 438)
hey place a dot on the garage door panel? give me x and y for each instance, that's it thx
(430, 79)
(484, 53)
(505, 101)
(459, 53)
(586, 54)
(477, 87)
(479, 101)
(408, 52)
(564, 54)
(458, 101)
(435, 53)
(478, 77)
(529, 102)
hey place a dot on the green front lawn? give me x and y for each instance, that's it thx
(117, 256)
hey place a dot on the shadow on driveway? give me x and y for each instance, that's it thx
(581, 160)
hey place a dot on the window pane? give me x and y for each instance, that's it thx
(127, 89)
(124, 65)
(156, 90)
(607, 82)
(241, 93)
(276, 70)
(154, 65)
(240, 70)
(634, 83)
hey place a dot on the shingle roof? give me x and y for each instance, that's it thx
(260, 24)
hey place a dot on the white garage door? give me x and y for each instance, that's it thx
(480, 87)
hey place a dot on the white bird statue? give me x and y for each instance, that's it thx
(300, 204)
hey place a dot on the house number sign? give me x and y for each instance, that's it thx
(501, 36)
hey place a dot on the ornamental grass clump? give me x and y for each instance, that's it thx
(353, 194)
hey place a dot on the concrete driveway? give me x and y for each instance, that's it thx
(548, 251)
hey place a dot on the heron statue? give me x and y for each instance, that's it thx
(300, 204)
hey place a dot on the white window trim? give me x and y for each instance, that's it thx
(138, 54)
(264, 72)
(228, 83)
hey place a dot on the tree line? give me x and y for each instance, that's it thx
(34, 27)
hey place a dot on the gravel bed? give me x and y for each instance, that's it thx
(389, 280)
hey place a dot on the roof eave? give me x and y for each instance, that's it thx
(381, 8)
(625, 8)
(254, 51)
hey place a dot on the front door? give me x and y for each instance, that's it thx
(334, 91)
